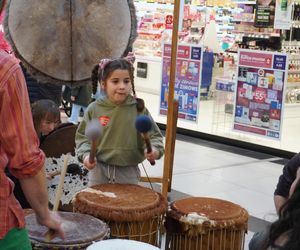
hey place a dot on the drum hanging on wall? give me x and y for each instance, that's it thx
(60, 41)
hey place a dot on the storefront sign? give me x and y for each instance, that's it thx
(259, 94)
(187, 83)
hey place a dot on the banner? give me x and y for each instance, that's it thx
(259, 93)
(187, 82)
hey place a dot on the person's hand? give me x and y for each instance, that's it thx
(88, 164)
(53, 222)
(73, 98)
(152, 156)
(48, 176)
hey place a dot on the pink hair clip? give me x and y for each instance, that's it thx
(104, 62)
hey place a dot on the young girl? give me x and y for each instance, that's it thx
(121, 147)
(46, 117)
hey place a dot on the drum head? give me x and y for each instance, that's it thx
(120, 202)
(118, 244)
(78, 228)
(61, 41)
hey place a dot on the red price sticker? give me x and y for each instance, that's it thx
(260, 95)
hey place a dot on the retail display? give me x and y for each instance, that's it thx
(291, 45)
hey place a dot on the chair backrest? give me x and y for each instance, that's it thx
(60, 141)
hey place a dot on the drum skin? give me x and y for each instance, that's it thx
(60, 41)
(205, 223)
(81, 230)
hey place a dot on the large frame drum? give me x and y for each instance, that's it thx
(199, 223)
(131, 211)
(60, 41)
(81, 230)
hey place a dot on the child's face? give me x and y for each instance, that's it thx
(118, 86)
(47, 126)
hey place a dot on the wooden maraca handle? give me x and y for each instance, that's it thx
(148, 146)
(93, 151)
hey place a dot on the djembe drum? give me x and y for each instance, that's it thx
(199, 223)
(81, 230)
(131, 211)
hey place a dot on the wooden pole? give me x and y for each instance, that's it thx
(170, 118)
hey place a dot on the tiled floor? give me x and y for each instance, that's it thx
(203, 168)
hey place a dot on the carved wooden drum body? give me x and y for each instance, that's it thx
(131, 211)
(200, 223)
(81, 230)
(60, 41)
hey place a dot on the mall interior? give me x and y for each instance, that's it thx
(238, 91)
(218, 153)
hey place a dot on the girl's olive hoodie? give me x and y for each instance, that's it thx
(120, 144)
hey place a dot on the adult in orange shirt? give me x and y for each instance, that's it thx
(19, 151)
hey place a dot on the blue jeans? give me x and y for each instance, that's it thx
(75, 112)
(259, 240)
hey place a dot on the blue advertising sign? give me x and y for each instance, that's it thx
(187, 82)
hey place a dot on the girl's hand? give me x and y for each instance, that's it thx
(88, 164)
(152, 156)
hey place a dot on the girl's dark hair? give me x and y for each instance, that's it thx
(99, 75)
(44, 109)
(288, 222)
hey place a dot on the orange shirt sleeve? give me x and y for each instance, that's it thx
(19, 143)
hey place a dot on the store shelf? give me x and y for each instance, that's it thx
(293, 84)
(245, 2)
(292, 105)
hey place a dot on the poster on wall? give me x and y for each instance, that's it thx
(259, 96)
(187, 82)
(283, 14)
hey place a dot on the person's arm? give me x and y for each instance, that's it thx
(83, 146)
(285, 181)
(35, 190)
(21, 145)
(156, 139)
(278, 202)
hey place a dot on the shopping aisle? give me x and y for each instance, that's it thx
(247, 178)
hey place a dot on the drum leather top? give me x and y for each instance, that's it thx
(131, 202)
(214, 209)
(78, 228)
(61, 41)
